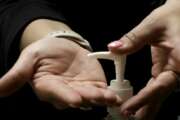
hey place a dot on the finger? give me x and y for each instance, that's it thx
(157, 90)
(159, 60)
(55, 91)
(148, 112)
(146, 32)
(112, 99)
(98, 96)
(90, 94)
(59, 106)
(98, 84)
(20, 73)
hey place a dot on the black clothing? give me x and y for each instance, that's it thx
(99, 23)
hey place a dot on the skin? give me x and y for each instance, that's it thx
(58, 70)
(41, 65)
(161, 30)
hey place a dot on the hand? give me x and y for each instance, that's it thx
(161, 29)
(61, 74)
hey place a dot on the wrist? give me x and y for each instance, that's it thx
(37, 29)
(72, 36)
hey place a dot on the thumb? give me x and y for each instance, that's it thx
(17, 75)
(146, 32)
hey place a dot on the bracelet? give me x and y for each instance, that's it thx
(75, 37)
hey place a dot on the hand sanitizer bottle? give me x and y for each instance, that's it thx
(119, 85)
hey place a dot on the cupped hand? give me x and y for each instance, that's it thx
(60, 73)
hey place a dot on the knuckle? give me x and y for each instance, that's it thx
(31, 52)
(154, 18)
(173, 74)
(162, 88)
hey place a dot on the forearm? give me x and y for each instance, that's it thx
(40, 28)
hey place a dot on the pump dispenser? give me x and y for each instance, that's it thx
(120, 86)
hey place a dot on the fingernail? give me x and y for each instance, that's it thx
(115, 44)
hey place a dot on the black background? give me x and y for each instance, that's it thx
(100, 22)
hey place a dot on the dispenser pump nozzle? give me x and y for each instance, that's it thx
(119, 62)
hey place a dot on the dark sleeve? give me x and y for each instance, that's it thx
(155, 3)
(15, 15)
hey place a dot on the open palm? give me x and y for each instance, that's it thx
(60, 73)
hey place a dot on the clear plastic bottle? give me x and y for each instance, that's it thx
(119, 85)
